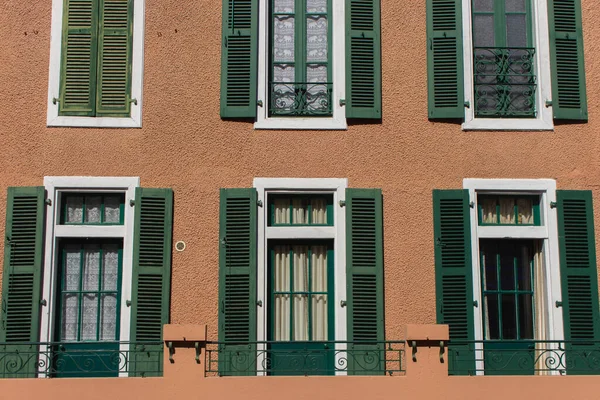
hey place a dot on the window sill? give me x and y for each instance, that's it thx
(499, 124)
(92, 122)
(293, 123)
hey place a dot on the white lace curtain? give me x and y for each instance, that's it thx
(93, 209)
(507, 211)
(87, 314)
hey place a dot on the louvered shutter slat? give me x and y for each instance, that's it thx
(239, 59)
(237, 281)
(151, 278)
(22, 279)
(78, 64)
(363, 59)
(453, 276)
(445, 59)
(579, 280)
(569, 99)
(364, 275)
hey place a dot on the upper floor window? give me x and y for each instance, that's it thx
(488, 63)
(96, 63)
(290, 64)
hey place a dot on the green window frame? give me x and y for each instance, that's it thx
(307, 201)
(300, 97)
(535, 203)
(85, 202)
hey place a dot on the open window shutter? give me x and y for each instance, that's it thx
(237, 282)
(78, 62)
(239, 59)
(445, 84)
(569, 99)
(579, 280)
(114, 64)
(363, 59)
(364, 276)
(151, 291)
(22, 281)
(453, 276)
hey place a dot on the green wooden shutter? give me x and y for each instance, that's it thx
(239, 59)
(22, 281)
(453, 276)
(78, 58)
(364, 276)
(579, 280)
(237, 282)
(151, 278)
(445, 86)
(569, 100)
(114, 61)
(363, 59)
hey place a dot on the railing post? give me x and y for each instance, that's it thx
(427, 350)
(184, 352)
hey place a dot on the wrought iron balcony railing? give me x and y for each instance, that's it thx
(301, 99)
(505, 82)
(305, 358)
(524, 357)
(83, 359)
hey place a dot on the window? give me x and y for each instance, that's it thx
(507, 253)
(102, 268)
(487, 63)
(287, 252)
(288, 65)
(96, 66)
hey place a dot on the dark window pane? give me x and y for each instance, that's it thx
(526, 316)
(483, 5)
(516, 30)
(515, 5)
(483, 30)
(489, 265)
(509, 317)
(524, 268)
(507, 266)
(491, 312)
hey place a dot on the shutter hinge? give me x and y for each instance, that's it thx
(43, 302)
(171, 352)
(259, 203)
(55, 100)
(472, 204)
(342, 102)
(343, 303)
(128, 303)
(442, 351)
(548, 103)
(131, 203)
(8, 241)
(467, 104)
(553, 204)
(342, 203)
(259, 103)
(475, 303)
(558, 304)
(259, 303)
(48, 202)
(134, 101)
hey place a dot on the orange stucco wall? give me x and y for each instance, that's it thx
(185, 145)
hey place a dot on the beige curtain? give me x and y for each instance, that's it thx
(540, 286)
(300, 300)
(507, 210)
(282, 301)
(299, 212)
(319, 284)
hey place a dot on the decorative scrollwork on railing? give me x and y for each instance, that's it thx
(300, 99)
(101, 359)
(505, 82)
(305, 358)
(526, 357)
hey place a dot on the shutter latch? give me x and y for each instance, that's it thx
(342, 203)
(128, 303)
(553, 204)
(259, 303)
(55, 100)
(259, 203)
(343, 303)
(134, 101)
(558, 304)
(548, 103)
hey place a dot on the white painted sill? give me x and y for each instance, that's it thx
(292, 123)
(93, 122)
(498, 124)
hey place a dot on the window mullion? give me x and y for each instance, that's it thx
(309, 295)
(291, 266)
(80, 294)
(100, 267)
(500, 24)
(499, 295)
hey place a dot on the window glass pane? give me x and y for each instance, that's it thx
(281, 330)
(316, 37)
(514, 5)
(525, 266)
(507, 266)
(509, 317)
(526, 316)
(492, 316)
(483, 5)
(282, 211)
(316, 6)
(319, 269)
(516, 30)
(300, 317)
(525, 207)
(283, 6)
(319, 317)
(300, 269)
(112, 209)
(89, 318)
(483, 30)
(108, 317)
(507, 210)
(70, 312)
(319, 210)
(92, 209)
(110, 267)
(489, 264)
(91, 267)
(488, 210)
(299, 211)
(74, 210)
(283, 38)
(282, 268)
(73, 267)
(316, 74)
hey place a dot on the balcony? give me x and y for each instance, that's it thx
(299, 99)
(505, 82)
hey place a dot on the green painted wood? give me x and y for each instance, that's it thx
(445, 83)
(150, 299)
(114, 58)
(22, 278)
(569, 99)
(237, 281)
(364, 277)
(453, 275)
(79, 58)
(239, 59)
(579, 280)
(363, 59)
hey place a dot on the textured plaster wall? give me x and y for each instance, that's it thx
(184, 145)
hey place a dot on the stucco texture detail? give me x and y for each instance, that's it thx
(183, 144)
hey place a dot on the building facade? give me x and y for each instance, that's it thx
(305, 178)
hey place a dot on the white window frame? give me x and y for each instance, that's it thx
(334, 186)
(338, 59)
(57, 185)
(137, 70)
(543, 120)
(547, 232)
